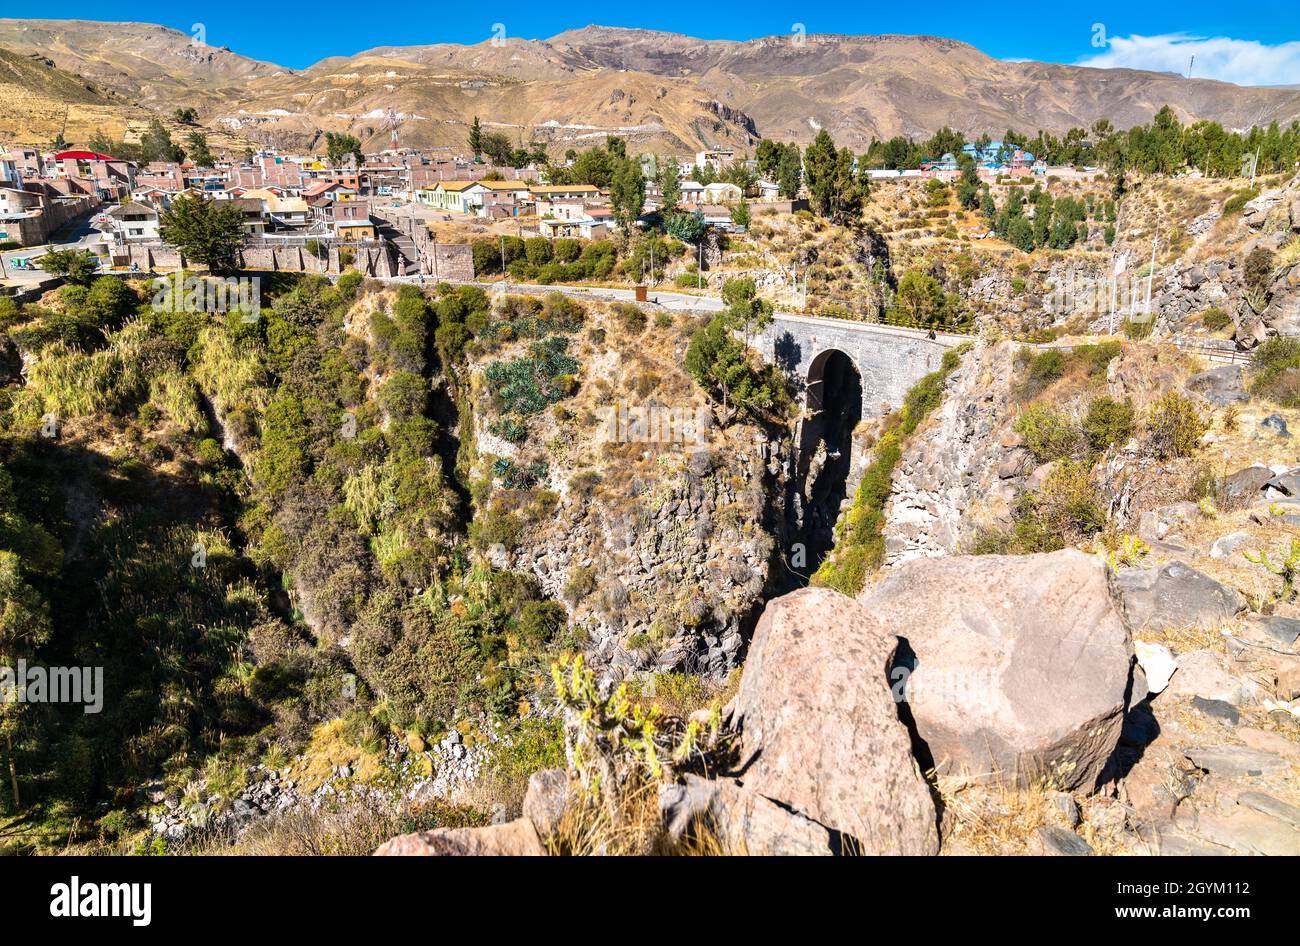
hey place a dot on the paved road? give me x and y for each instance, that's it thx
(78, 235)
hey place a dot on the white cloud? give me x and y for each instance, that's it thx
(1243, 61)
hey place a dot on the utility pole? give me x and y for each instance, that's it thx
(700, 269)
(505, 277)
(1121, 263)
(1151, 274)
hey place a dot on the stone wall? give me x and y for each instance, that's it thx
(375, 260)
(448, 260)
(52, 217)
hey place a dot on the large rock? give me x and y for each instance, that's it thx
(516, 838)
(1244, 485)
(1288, 483)
(546, 799)
(743, 821)
(1175, 595)
(1200, 673)
(1022, 665)
(820, 732)
(1222, 386)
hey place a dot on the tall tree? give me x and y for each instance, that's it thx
(819, 168)
(627, 193)
(476, 138)
(156, 144)
(837, 189)
(968, 185)
(338, 145)
(206, 231)
(670, 185)
(199, 152)
(789, 172)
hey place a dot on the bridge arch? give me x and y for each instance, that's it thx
(825, 450)
(826, 371)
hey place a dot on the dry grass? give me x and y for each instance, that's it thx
(589, 829)
(332, 745)
(1181, 640)
(992, 818)
(348, 829)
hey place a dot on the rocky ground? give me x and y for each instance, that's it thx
(445, 771)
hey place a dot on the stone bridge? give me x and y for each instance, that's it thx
(889, 359)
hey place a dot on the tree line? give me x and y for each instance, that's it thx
(1162, 146)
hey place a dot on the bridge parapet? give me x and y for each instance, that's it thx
(890, 359)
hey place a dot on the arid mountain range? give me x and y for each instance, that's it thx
(662, 91)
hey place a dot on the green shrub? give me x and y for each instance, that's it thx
(1175, 426)
(1064, 511)
(1108, 423)
(630, 317)
(1044, 368)
(1097, 357)
(541, 621)
(1215, 318)
(1138, 328)
(1048, 434)
(1068, 503)
(538, 250)
(566, 250)
(404, 395)
(487, 257)
(1275, 371)
(1235, 203)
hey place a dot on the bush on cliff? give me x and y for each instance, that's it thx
(860, 545)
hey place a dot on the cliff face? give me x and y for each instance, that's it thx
(651, 524)
(663, 570)
(957, 471)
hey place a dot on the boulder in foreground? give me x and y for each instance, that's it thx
(820, 732)
(1014, 667)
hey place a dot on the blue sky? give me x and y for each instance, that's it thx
(1250, 43)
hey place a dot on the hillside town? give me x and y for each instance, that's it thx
(391, 206)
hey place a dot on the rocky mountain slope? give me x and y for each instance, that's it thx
(42, 100)
(153, 65)
(664, 91)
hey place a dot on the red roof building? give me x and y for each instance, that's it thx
(83, 156)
